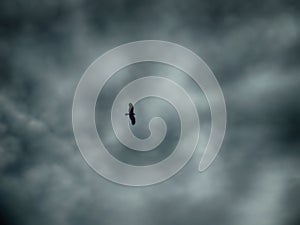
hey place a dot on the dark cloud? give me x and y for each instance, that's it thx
(253, 49)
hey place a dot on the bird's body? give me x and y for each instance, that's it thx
(131, 113)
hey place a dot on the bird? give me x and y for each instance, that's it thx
(131, 113)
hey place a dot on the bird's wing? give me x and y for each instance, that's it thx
(132, 118)
(131, 109)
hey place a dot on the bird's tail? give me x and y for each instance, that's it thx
(126, 114)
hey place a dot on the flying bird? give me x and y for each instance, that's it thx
(131, 113)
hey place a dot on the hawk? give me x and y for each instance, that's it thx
(131, 113)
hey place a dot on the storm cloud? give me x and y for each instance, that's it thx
(251, 46)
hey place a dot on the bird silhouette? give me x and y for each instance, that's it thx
(131, 113)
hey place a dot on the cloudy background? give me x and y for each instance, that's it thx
(253, 47)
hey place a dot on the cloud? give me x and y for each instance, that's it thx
(252, 47)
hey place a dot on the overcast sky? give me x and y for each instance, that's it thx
(253, 47)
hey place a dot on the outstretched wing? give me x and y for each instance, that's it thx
(131, 110)
(132, 118)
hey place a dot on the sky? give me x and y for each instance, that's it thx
(253, 48)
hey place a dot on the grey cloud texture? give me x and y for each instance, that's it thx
(253, 49)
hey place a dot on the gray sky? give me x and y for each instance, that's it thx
(252, 47)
